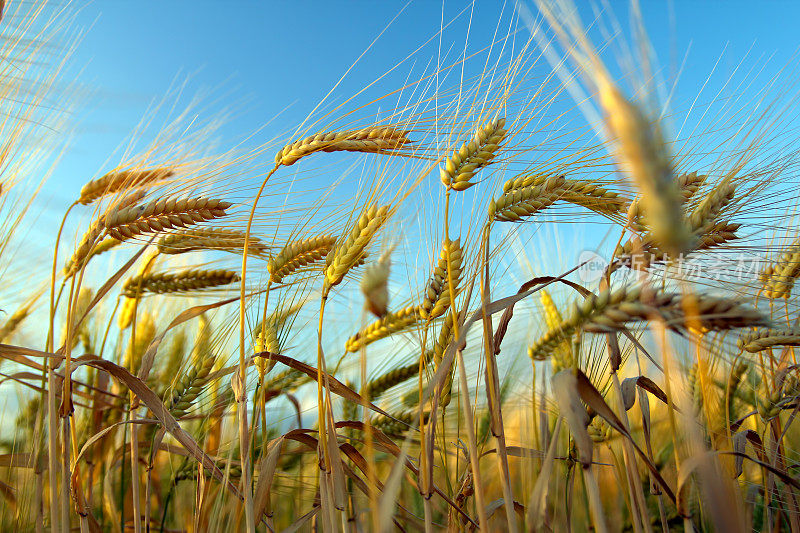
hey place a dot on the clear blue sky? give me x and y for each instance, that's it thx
(265, 55)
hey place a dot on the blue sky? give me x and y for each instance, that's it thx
(263, 56)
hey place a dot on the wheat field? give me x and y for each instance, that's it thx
(523, 289)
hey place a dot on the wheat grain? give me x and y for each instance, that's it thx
(473, 155)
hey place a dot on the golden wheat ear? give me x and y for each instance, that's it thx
(163, 214)
(374, 139)
(762, 339)
(351, 251)
(188, 280)
(189, 240)
(120, 180)
(437, 293)
(473, 155)
(299, 254)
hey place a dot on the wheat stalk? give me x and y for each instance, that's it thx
(119, 180)
(187, 280)
(162, 214)
(374, 139)
(473, 155)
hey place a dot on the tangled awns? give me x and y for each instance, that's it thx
(516, 289)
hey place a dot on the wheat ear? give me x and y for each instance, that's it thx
(374, 139)
(119, 180)
(375, 286)
(348, 253)
(688, 185)
(611, 311)
(188, 280)
(390, 324)
(379, 385)
(12, 323)
(519, 203)
(778, 278)
(641, 147)
(473, 155)
(266, 341)
(159, 215)
(299, 254)
(437, 293)
(579, 192)
(88, 244)
(189, 240)
(443, 341)
(398, 423)
(761, 339)
(190, 386)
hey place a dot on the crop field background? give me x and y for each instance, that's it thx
(424, 266)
